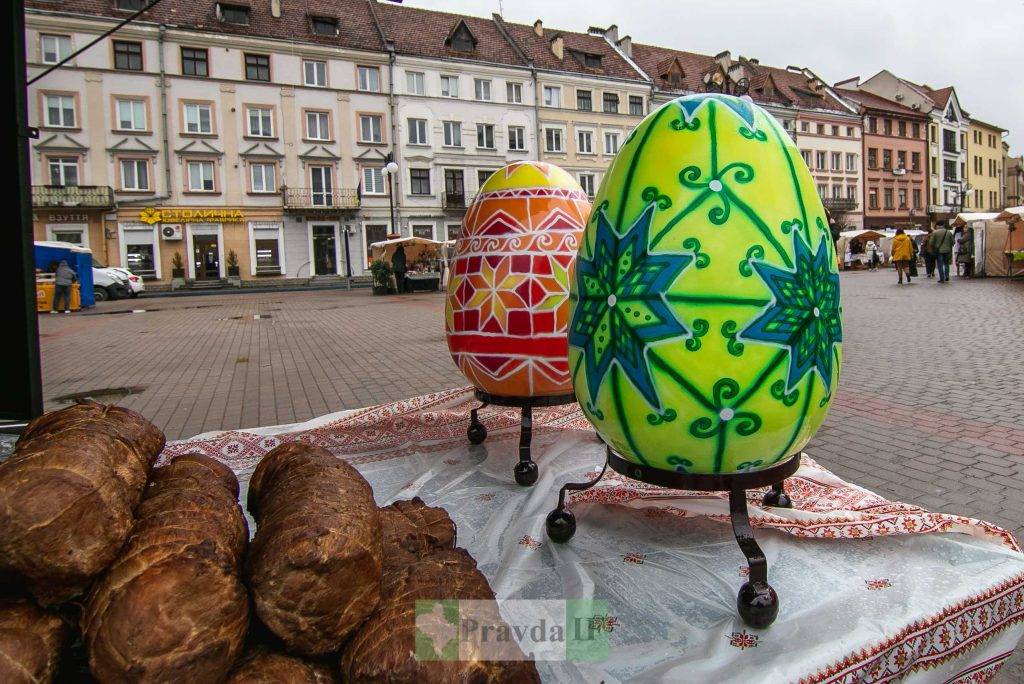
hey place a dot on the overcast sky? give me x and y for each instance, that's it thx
(976, 46)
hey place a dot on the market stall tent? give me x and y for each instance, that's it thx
(78, 258)
(416, 248)
(1005, 253)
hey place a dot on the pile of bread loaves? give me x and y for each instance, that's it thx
(149, 573)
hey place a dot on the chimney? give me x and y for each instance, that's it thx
(538, 28)
(611, 34)
(794, 69)
(275, 8)
(558, 46)
(724, 59)
(852, 83)
(626, 45)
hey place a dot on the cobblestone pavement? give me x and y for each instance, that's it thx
(930, 408)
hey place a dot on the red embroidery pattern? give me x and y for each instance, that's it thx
(529, 542)
(485, 497)
(875, 584)
(743, 640)
(634, 558)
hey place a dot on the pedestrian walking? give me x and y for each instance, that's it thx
(929, 254)
(958, 234)
(874, 258)
(63, 278)
(398, 265)
(966, 255)
(941, 242)
(902, 252)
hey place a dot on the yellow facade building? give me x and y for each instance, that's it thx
(984, 167)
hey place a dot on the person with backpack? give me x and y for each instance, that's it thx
(941, 242)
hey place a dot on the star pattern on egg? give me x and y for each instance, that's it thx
(805, 315)
(620, 308)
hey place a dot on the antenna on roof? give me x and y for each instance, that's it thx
(500, 10)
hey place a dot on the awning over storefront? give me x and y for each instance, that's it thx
(967, 217)
(415, 249)
(862, 234)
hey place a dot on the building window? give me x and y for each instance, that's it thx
(872, 124)
(452, 231)
(262, 177)
(63, 170)
(131, 5)
(195, 62)
(321, 184)
(314, 73)
(915, 161)
(611, 103)
(59, 111)
(584, 142)
(837, 161)
(131, 115)
(872, 158)
(370, 128)
(851, 132)
(886, 159)
(851, 193)
(822, 191)
(901, 127)
(200, 176)
(373, 180)
(553, 140)
(552, 96)
(452, 133)
(268, 252)
(257, 67)
(820, 128)
(887, 126)
(419, 181)
(417, 131)
(902, 198)
(821, 160)
(806, 154)
(127, 55)
(261, 122)
(324, 26)
(901, 159)
(369, 79)
(835, 131)
(423, 230)
(887, 193)
(837, 191)
(851, 162)
(949, 171)
(805, 127)
(481, 177)
(516, 138)
(917, 198)
(449, 86)
(53, 49)
(233, 14)
(873, 198)
(198, 118)
(485, 136)
(584, 101)
(949, 140)
(514, 92)
(134, 175)
(636, 105)
(318, 126)
(611, 143)
(482, 89)
(915, 130)
(587, 183)
(414, 83)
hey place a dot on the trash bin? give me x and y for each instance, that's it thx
(44, 293)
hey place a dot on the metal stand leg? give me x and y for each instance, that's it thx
(526, 470)
(777, 496)
(560, 523)
(757, 602)
(477, 433)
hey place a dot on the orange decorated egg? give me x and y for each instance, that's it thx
(507, 308)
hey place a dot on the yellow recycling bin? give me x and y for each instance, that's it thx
(44, 294)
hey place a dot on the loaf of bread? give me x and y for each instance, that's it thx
(314, 566)
(421, 564)
(30, 642)
(264, 666)
(67, 495)
(173, 607)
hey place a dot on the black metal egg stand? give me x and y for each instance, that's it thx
(757, 602)
(525, 470)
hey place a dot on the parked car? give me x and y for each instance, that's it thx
(108, 284)
(135, 284)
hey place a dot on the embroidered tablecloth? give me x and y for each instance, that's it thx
(871, 590)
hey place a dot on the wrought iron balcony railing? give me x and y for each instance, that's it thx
(456, 201)
(90, 196)
(311, 199)
(839, 204)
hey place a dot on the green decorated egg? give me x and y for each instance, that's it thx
(706, 324)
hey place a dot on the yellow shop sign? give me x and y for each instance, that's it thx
(151, 215)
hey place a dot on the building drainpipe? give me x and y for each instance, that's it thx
(163, 114)
(536, 111)
(397, 187)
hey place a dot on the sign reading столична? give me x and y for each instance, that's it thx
(199, 215)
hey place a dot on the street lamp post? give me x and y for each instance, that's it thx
(389, 170)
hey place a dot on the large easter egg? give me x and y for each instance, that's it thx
(706, 324)
(507, 309)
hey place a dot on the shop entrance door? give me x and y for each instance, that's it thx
(207, 257)
(325, 250)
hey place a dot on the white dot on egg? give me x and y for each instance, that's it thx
(715, 185)
(726, 414)
(611, 300)
(817, 312)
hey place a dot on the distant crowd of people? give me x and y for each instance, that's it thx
(940, 249)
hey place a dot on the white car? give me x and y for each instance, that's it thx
(107, 284)
(135, 284)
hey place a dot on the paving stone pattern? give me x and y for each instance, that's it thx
(930, 408)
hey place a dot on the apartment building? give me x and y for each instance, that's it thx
(1013, 174)
(985, 167)
(894, 166)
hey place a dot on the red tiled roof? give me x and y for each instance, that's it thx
(538, 48)
(876, 102)
(356, 27)
(793, 89)
(655, 61)
(940, 96)
(423, 32)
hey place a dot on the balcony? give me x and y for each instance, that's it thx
(838, 205)
(82, 196)
(321, 201)
(456, 201)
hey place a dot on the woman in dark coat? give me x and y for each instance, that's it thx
(399, 267)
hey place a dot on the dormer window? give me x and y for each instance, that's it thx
(324, 26)
(673, 73)
(131, 5)
(675, 79)
(461, 39)
(592, 61)
(233, 14)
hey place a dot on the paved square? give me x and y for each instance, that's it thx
(930, 408)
